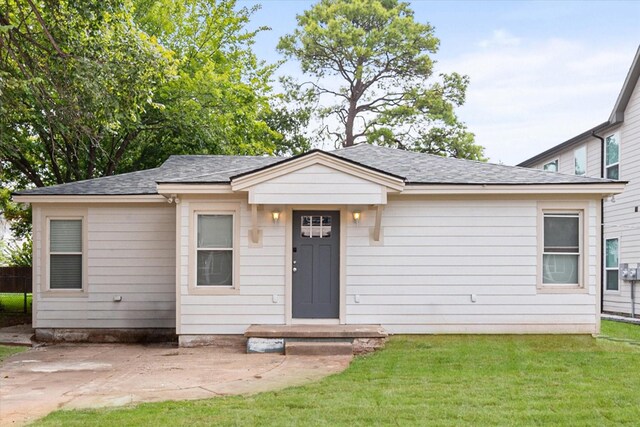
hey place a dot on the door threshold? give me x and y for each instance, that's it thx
(315, 321)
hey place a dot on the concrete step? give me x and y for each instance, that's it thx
(315, 331)
(315, 348)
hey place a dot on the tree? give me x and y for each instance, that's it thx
(91, 88)
(381, 58)
(77, 78)
(219, 98)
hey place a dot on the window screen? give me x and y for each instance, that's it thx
(215, 250)
(612, 156)
(65, 254)
(561, 253)
(580, 161)
(551, 166)
(611, 264)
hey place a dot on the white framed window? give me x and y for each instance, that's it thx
(612, 251)
(551, 166)
(214, 248)
(65, 267)
(580, 160)
(562, 252)
(612, 156)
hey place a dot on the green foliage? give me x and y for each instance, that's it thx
(216, 102)
(95, 87)
(18, 216)
(381, 57)
(14, 254)
(77, 80)
(289, 116)
(92, 88)
(433, 380)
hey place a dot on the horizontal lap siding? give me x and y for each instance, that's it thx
(622, 221)
(131, 253)
(317, 184)
(436, 254)
(261, 277)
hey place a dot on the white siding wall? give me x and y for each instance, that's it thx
(621, 220)
(566, 164)
(433, 257)
(436, 254)
(130, 253)
(317, 184)
(261, 277)
(620, 217)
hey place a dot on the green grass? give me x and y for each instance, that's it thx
(14, 303)
(434, 380)
(7, 350)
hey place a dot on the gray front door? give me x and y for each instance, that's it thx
(316, 264)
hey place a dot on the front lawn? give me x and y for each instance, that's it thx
(435, 380)
(8, 350)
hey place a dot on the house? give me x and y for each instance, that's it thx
(205, 246)
(612, 150)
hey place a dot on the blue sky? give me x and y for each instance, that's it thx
(541, 72)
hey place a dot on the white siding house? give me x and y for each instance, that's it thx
(210, 245)
(616, 155)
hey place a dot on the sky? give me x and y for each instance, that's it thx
(541, 71)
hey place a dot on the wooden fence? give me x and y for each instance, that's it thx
(15, 293)
(15, 280)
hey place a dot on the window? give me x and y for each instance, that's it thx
(315, 226)
(611, 264)
(561, 253)
(564, 230)
(551, 166)
(580, 161)
(214, 250)
(612, 156)
(65, 254)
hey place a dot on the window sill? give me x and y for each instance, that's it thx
(562, 290)
(59, 293)
(213, 290)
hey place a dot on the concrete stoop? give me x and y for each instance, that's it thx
(315, 340)
(311, 348)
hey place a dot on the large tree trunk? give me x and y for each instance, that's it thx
(348, 128)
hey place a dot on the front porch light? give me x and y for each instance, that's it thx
(276, 216)
(356, 216)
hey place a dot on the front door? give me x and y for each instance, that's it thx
(316, 264)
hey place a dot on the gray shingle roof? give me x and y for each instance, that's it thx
(415, 168)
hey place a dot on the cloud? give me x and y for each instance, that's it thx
(499, 38)
(527, 96)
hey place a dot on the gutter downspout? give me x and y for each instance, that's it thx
(602, 248)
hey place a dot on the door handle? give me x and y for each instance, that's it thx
(295, 269)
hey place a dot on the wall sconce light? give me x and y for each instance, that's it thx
(276, 216)
(356, 216)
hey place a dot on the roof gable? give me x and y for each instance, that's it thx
(316, 157)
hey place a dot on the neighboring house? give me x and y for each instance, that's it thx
(209, 245)
(611, 150)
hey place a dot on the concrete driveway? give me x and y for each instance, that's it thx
(44, 379)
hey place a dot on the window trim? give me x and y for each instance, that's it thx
(196, 209)
(586, 160)
(62, 214)
(617, 267)
(607, 166)
(582, 209)
(556, 161)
